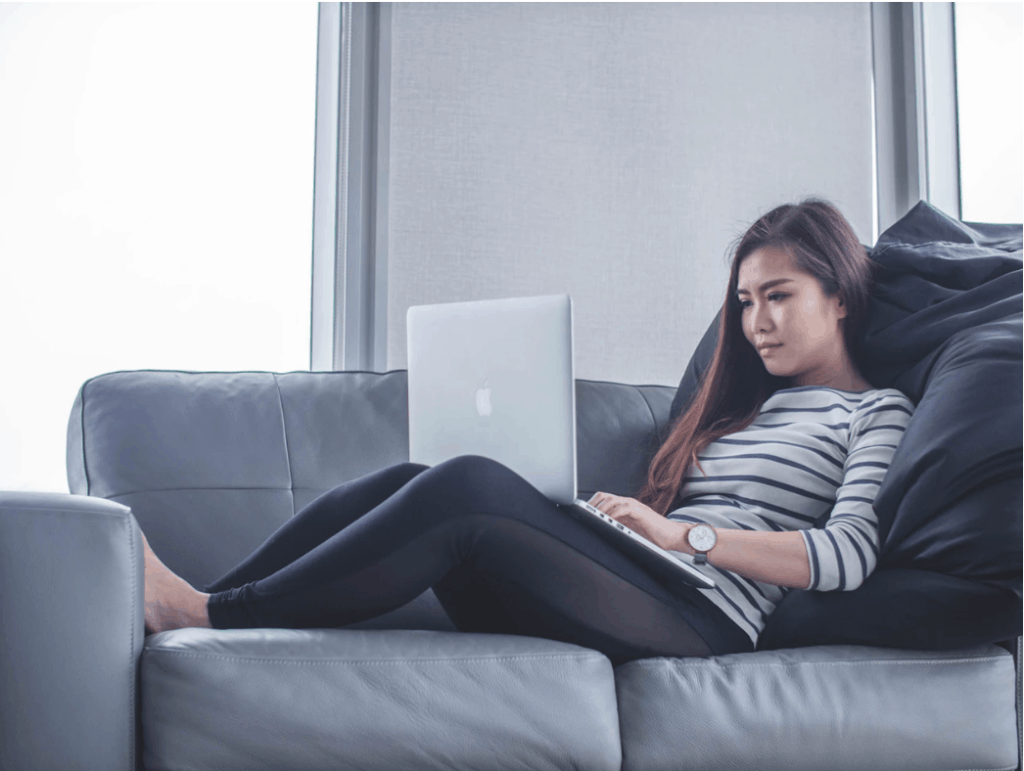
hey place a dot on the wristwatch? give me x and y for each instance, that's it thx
(703, 539)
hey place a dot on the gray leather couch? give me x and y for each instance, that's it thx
(209, 464)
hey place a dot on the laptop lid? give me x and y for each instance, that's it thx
(496, 378)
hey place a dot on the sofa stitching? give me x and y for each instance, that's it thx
(85, 465)
(220, 489)
(372, 662)
(287, 451)
(69, 509)
(339, 373)
(131, 650)
(1017, 678)
(184, 487)
(650, 409)
(875, 662)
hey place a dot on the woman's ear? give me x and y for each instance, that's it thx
(840, 306)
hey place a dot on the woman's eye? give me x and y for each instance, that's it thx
(744, 304)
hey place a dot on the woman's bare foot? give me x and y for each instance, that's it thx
(171, 603)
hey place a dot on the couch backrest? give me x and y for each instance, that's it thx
(211, 463)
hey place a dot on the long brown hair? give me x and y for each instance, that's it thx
(736, 383)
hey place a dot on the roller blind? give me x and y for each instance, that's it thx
(613, 152)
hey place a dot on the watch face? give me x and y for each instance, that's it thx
(701, 537)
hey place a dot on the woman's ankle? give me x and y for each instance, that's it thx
(202, 612)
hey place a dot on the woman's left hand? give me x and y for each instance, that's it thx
(643, 519)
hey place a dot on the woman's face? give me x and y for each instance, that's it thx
(784, 307)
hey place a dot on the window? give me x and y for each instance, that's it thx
(989, 63)
(156, 198)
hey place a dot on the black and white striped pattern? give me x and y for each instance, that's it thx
(812, 450)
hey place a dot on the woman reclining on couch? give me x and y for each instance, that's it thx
(790, 440)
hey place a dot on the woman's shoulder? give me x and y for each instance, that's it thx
(877, 397)
(881, 409)
(817, 392)
(825, 399)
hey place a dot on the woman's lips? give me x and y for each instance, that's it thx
(769, 348)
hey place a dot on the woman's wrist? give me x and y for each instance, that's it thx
(682, 544)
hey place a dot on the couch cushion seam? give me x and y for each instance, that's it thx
(131, 650)
(219, 489)
(372, 662)
(875, 662)
(287, 452)
(650, 409)
(85, 465)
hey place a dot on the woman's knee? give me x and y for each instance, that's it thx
(411, 468)
(473, 468)
(407, 471)
(475, 478)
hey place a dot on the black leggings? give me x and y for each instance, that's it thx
(499, 555)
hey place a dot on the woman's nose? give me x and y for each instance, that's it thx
(761, 318)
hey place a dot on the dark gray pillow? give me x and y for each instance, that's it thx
(944, 327)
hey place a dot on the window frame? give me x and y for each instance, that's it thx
(348, 329)
(916, 127)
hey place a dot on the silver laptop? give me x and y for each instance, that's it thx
(496, 378)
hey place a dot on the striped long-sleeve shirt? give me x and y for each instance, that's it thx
(811, 450)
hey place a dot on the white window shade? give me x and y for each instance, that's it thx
(990, 101)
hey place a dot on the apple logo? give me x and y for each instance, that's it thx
(483, 400)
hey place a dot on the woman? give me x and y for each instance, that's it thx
(785, 432)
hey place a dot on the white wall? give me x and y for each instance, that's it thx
(156, 178)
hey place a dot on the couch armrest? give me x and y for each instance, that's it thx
(71, 599)
(1016, 661)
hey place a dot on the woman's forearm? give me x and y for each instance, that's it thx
(768, 556)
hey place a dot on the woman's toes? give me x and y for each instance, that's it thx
(166, 596)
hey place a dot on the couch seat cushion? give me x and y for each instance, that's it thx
(374, 699)
(841, 707)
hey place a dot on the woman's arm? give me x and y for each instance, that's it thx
(772, 557)
(838, 556)
(775, 558)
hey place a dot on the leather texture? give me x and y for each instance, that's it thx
(252, 699)
(71, 588)
(842, 708)
(211, 463)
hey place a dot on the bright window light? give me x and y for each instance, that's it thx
(156, 198)
(990, 92)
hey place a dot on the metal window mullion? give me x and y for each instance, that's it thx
(363, 146)
(355, 214)
(918, 139)
(325, 188)
(382, 178)
(917, 151)
(895, 111)
(349, 293)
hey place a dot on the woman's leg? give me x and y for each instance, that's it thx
(316, 522)
(525, 581)
(503, 557)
